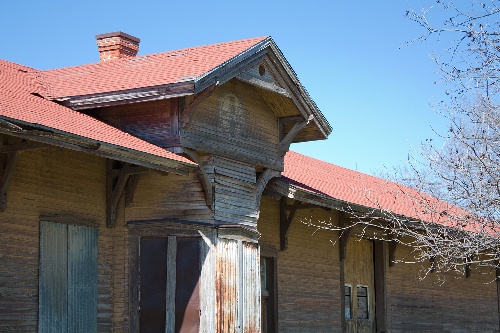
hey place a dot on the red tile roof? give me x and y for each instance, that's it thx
(20, 101)
(357, 188)
(142, 71)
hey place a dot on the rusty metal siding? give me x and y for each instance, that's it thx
(68, 278)
(250, 287)
(226, 286)
(53, 286)
(238, 286)
(82, 279)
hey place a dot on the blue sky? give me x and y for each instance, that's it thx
(349, 55)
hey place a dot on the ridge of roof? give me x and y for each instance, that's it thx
(143, 70)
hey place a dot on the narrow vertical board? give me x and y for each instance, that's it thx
(153, 263)
(379, 263)
(187, 297)
(82, 279)
(227, 286)
(53, 287)
(251, 289)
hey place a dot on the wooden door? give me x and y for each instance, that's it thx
(359, 287)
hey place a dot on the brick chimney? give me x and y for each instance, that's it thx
(116, 45)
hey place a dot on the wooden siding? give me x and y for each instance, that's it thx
(234, 186)
(170, 196)
(235, 122)
(308, 271)
(155, 122)
(457, 305)
(68, 186)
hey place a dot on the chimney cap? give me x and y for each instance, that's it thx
(118, 34)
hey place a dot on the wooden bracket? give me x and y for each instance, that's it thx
(264, 178)
(8, 162)
(203, 177)
(393, 245)
(9, 154)
(287, 219)
(345, 234)
(120, 176)
(198, 98)
(287, 140)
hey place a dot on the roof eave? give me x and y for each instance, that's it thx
(67, 140)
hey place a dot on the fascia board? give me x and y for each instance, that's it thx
(145, 94)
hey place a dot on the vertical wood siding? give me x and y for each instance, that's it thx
(82, 279)
(53, 287)
(359, 272)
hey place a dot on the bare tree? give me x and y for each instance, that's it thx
(462, 229)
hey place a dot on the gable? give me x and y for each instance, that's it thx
(235, 122)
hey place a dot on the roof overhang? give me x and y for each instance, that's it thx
(53, 137)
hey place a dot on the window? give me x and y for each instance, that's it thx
(67, 278)
(362, 294)
(268, 305)
(348, 301)
(169, 284)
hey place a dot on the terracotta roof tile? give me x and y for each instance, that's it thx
(142, 71)
(20, 100)
(357, 188)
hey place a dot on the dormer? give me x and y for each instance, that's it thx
(240, 100)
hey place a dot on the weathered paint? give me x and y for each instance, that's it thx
(237, 284)
(68, 278)
(359, 273)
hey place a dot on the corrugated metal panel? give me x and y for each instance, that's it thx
(227, 286)
(53, 287)
(82, 279)
(251, 287)
(238, 286)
